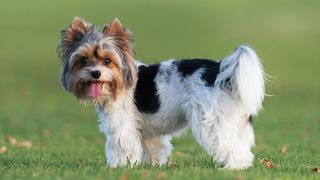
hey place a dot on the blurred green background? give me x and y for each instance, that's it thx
(64, 135)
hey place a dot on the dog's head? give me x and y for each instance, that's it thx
(97, 66)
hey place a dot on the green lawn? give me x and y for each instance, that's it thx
(65, 141)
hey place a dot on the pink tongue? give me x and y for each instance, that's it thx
(95, 89)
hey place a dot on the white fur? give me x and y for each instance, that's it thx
(217, 115)
(118, 122)
(247, 77)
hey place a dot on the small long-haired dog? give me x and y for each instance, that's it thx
(140, 107)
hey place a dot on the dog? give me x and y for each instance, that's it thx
(141, 107)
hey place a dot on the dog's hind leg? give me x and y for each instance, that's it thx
(219, 121)
(222, 132)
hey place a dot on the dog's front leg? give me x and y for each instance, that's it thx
(123, 143)
(123, 147)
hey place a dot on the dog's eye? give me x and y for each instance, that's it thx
(106, 62)
(83, 60)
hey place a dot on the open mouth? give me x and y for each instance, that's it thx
(95, 88)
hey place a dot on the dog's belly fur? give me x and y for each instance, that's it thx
(158, 125)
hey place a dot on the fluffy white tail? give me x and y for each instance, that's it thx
(242, 76)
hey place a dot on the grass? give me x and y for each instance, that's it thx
(65, 141)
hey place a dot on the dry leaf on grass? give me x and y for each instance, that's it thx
(21, 144)
(3, 149)
(45, 133)
(10, 140)
(315, 170)
(145, 174)
(267, 163)
(124, 176)
(161, 175)
(283, 149)
(24, 144)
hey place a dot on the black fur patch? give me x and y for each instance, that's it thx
(188, 67)
(146, 97)
(250, 119)
(65, 74)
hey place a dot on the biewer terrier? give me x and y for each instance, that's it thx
(140, 107)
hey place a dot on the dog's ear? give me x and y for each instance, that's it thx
(72, 35)
(114, 29)
(123, 40)
(122, 36)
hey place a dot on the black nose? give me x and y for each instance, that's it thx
(96, 74)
